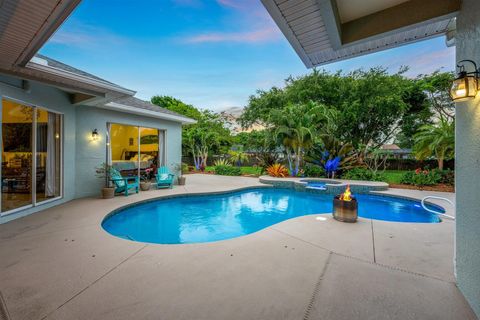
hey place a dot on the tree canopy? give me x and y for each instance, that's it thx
(177, 106)
(322, 117)
(367, 104)
(200, 140)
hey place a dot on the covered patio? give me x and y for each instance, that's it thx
(61, 264)
(326, 31)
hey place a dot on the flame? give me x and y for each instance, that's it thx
(347, 195)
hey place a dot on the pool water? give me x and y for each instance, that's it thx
(217, 217)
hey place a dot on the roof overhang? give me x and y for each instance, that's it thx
(26, 25)
(82, 90)
(148, 113)
(325, 31)
(37, 65)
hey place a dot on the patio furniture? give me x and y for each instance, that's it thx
(164, 178)
(123, 184)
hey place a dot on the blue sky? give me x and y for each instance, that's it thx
(210, 53)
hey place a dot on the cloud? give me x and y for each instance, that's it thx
(427, 61)
(83, 36)
(252, 22)
(251, 9)
(266, 34)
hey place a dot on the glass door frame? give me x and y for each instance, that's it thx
(34, 155)
(162, 154)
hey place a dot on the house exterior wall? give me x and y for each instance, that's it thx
(56, 100)
(467, 163)
(81, 155)
(90, 154)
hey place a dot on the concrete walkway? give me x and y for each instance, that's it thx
(60, 264)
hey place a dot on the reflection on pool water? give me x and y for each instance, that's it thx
(217, 217)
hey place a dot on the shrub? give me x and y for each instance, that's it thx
(421, 177)
(447, 176)
(227, 170)
(222, 162)
(266, 159)
(363, 174)
(277, 170)
(312, 170)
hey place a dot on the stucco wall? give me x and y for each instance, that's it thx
(467, 163)
(55, 100)
(90, 154)
(81, 155)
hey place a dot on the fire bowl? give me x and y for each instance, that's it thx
(345, 211)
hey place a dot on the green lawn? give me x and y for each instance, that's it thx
(394, 176)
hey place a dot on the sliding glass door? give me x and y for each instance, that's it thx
(31, 155)
(135, 149)
(17, 146)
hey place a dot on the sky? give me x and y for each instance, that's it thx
(213, 54)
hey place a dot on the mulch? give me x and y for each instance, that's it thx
(438, 187)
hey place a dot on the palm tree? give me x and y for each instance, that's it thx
(296, 127)
(436, 140)
(238, 157)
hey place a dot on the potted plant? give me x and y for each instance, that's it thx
(104, 172)
(145, 183)
(181, 168)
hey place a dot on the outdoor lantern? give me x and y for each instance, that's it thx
(465, 86)
(94, 135)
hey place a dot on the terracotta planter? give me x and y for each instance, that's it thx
(108, 193)
(345, 211)
(182, 180)
(145, 186)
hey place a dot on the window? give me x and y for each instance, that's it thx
(31, 156)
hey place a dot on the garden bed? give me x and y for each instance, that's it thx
(438, 187)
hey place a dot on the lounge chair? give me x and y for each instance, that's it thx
(123, 184)
(164, 178)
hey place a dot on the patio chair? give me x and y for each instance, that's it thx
(123, 184)
(164, 178)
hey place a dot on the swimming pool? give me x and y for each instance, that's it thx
(205, 218)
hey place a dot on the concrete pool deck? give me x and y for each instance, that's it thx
(60, 264)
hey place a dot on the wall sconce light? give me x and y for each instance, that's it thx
(94, 135)
(465, 86)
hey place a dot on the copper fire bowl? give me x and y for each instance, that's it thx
(345, 211)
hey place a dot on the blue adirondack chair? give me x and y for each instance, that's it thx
(164, 178)
(123, 184)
